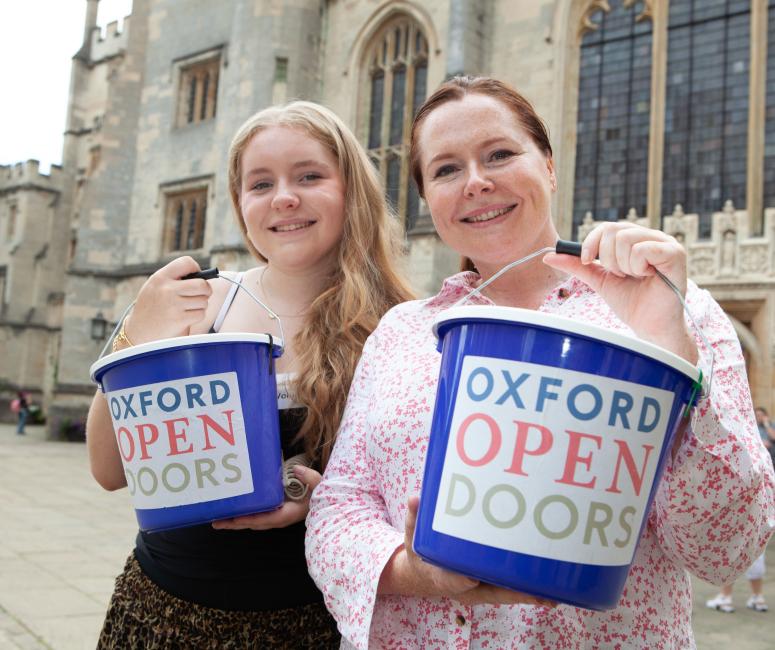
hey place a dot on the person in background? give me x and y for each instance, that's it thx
(722, 602)
(23, 412)
(312, 212)
(482, 160)
(766, 431)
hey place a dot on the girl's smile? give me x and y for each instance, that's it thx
(292, 199)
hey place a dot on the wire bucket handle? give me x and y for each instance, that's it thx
(210, 274)
(574, 248)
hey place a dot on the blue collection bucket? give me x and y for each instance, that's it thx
(196, 422)
(548, 440)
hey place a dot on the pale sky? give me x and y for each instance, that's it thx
(38, 39)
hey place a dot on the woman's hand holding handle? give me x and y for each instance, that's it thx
(626, 277)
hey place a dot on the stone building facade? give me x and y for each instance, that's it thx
(153, 107)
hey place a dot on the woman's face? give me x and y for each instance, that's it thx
(292, 199)
(487, 184)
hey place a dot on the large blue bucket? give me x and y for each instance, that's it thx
(548, 440)
(196, 423)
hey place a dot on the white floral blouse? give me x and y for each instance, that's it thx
(713, 514)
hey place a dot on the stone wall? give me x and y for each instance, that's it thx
(31, 261)
(738, 269)
(144, 151)
(99, 148)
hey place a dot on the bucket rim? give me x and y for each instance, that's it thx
(562, 323)
(185, 341)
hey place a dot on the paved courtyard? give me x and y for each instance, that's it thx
(64, 540)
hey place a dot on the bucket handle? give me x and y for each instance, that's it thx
(574, 248)
(208, 274)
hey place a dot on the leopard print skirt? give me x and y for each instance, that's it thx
(142, 615)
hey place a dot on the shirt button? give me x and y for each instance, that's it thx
(460, 620)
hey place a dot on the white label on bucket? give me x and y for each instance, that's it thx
(550, 462)
(182, 441)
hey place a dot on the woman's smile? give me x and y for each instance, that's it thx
(488, 214)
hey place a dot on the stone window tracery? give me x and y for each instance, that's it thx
(397, 73)
(185, 214)
(198, 89)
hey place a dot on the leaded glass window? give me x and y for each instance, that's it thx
(375, 117)
(613, 113)
(10, 226)
(177, 235)
(397, 85)
(706, 109)
(769, 139)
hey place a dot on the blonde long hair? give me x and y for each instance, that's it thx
(364, 284)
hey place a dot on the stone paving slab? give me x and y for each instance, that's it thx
(65, 539)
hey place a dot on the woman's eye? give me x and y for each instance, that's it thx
(444, 170)
(261, 185)
(501, 154)
(311, 176)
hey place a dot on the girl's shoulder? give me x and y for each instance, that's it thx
(221, 289)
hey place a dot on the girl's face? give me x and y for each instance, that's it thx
(292, 199)
(487, 184)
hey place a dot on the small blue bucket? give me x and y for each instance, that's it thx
(548, 440)
(197, 428)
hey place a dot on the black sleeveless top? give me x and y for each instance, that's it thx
(244, 570)
(235, 570)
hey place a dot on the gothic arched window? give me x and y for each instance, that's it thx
(397, 84)
(612, 144)
(706, 106)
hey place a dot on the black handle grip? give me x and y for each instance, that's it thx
(205, 274)
(568, 247)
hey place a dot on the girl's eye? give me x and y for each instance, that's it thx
(311, 176)
(444, 170)
(261, 185)
(501, 154)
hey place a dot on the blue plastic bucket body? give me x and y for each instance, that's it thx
(226, 387)
(482, 545)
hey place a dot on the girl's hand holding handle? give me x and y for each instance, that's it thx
(167, 305)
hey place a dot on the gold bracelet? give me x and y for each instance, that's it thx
(121, 339)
